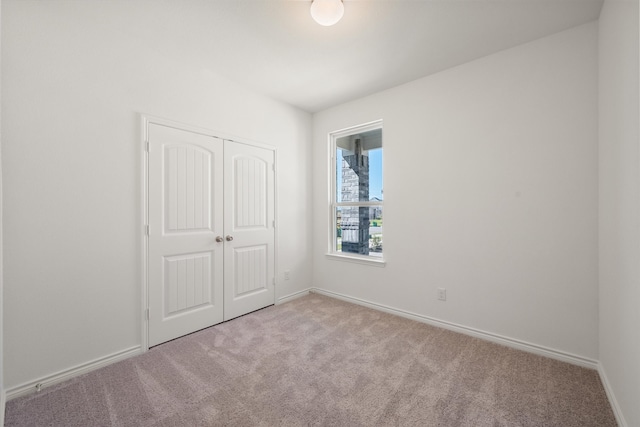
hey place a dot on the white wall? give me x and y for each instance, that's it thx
(490, 183)
(75, 76)
(619, 162)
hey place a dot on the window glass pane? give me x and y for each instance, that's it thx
(359, 167)
(359, 230)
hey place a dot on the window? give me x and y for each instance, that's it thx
(357, 194)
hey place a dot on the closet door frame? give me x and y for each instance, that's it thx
(145, 121)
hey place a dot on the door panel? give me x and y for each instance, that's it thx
(250, 192)
(249, 213)
(187, 188)
(186, 282)
(250, 270)
(185, 216)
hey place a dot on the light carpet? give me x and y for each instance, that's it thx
(321, 361)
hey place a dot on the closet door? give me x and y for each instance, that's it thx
(185, 262)
(249, 229)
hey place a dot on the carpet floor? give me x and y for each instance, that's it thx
(321, 361)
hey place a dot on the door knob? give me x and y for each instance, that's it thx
(219, 239)
(229, 238)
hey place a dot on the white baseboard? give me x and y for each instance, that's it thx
(612, 398)
(293, 296)
(488, 336)
(31, 386)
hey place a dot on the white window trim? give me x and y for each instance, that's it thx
(332, 254)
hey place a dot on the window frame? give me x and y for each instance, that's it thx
(333, 203)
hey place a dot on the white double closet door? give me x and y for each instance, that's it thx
(211, 231)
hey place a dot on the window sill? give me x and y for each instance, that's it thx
(357, 259)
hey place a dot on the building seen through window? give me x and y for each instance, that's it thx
(358, 194)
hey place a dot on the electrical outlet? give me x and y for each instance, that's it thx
(442, 294)
(287, 274)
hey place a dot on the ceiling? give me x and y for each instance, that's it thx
(274, 47)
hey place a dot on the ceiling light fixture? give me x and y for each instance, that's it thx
(327, 12)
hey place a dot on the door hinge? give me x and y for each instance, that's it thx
(273, 223)
(274, 281)
(146, 147)
(146, 230)
(147, 314)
